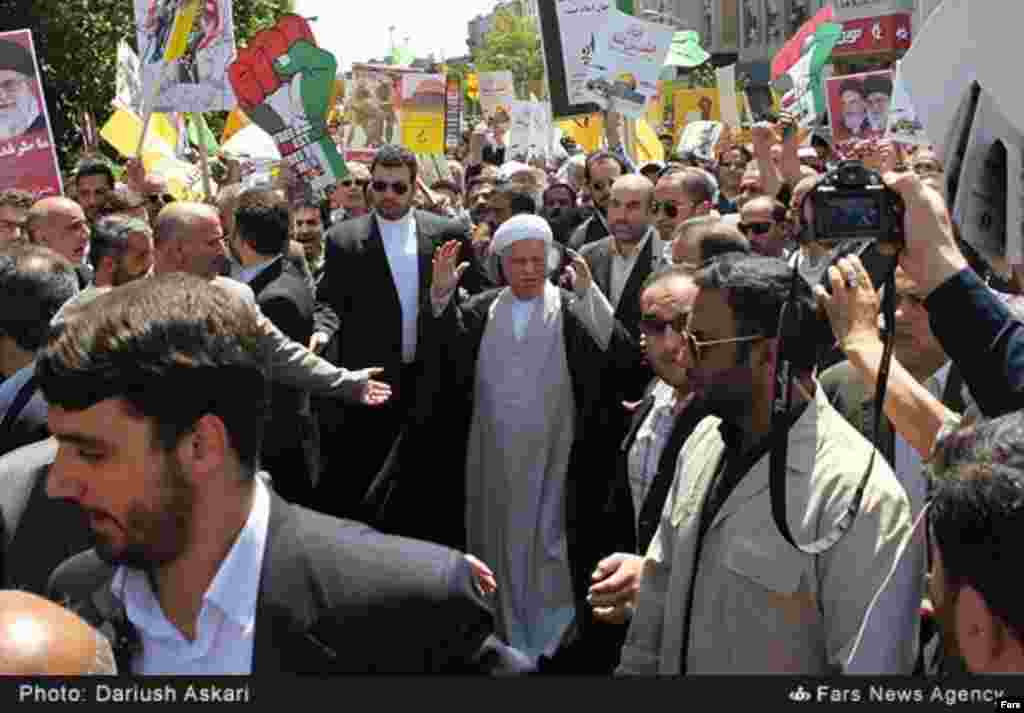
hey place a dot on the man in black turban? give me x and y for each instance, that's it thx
(20, 110)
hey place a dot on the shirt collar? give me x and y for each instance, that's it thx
(404, 221)
(248, 274)
(639, 246)
(234, 588)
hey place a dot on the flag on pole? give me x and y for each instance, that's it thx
(199, 133)
(184, 21)
(793, 51)
(807, 100)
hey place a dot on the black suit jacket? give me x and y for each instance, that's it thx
(592, 230)
(29, 424)
(335, 597)
(38, 533)
(291, 445)
(598, 255)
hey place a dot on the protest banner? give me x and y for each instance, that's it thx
(903, 126)
(858, 106)
(497, 92)
(284, 83)
(193, 76)
(701, 138)
(28, 156)
(422, 117)
(373, 107)
(628, 57)
(568, 30)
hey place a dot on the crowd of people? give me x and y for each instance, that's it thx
(520, 421)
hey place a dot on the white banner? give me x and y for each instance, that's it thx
(129, 84)
(580, 23)
(903, 126)
(627, 60)
(198, 81)
(497, 90)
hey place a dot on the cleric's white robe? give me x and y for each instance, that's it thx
(518, 458)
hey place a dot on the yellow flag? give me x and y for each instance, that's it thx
(585, 131)
(124, 128)
(648, 147)
(184, 21)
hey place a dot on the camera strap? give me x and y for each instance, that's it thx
(781, 405)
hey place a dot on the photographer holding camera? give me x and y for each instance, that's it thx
(721, 589)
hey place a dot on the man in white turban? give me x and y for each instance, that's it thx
(528, 359)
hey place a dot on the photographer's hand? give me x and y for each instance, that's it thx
(930, 255)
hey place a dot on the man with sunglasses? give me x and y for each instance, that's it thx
(600, 172)
(679, 194)
(349, 199)
(721, 590)
(376, 280)
(763, 221)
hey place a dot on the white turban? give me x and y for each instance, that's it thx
(522, 227)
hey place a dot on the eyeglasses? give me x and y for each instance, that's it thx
(671, 209)
(361, 182)
(399, 188)
(652, 326)
(696, 345)
(755, 228)
(927, 167)
(161, 198)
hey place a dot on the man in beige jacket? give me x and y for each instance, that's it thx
(721, 590)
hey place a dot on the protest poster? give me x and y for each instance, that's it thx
(628, 57)
(541, 130)
(701, 138)
(284, 83)
(569, 30)
(422, 117)
(28, 156)
(520, 142)
(197, 81)
(373, 107)
(858, 106)
(497, 92)
(453, 113)
(903, 126)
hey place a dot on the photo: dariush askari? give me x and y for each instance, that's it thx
(193, 693)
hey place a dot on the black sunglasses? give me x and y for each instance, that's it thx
(400, 188)
(755, 228)
(671, 209)
(651, 326)
(161, 198)
(361, 182)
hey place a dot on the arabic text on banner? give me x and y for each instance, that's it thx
(580, 23)
(198, 81)
(28, 157)
(423, 97)
(627, 61)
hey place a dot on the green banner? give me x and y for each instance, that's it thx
(626, 6)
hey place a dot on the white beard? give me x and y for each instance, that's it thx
(15, 121)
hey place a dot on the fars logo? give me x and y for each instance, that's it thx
(800, 695)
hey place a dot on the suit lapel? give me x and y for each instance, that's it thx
(641, 269)
(271, 273)
(639, 416)
(603, 268)
(285, 607)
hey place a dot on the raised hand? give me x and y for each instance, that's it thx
(577, 275)
(446, 275)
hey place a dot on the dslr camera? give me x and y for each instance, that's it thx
(852, 203)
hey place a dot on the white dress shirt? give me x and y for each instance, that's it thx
(622, 266)
(907, 462)
(399, 237)
(225, 629)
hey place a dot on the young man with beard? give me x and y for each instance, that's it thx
(94, 181)
(721, 590)
(600, 172)
(20, 110)
(157, 393)
(120, 251)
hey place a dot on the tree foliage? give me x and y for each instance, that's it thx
(513, 45)
(76, 42)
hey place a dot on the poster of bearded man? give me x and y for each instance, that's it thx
(28, 158)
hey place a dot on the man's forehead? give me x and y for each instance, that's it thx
(393, 172)
(756, 209)
(710, 311)
(605, 165)
(306, 213)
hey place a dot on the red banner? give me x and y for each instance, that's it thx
(873, 35)
(28, 158)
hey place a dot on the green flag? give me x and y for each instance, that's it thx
(199, 133)
(626, 6)
(686, 50)
(402, 56)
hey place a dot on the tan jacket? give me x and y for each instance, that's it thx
(762, 606)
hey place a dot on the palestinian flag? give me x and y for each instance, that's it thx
(793, 50)
(807, 100)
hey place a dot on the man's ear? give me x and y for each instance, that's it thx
(982, 636)
(205, 450)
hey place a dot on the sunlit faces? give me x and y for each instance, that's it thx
(92, 191)
(65, 231)
(524, 264)
(603, 174)
(308, 231)
(138, 497)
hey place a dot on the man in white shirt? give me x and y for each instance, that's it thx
(199, 569)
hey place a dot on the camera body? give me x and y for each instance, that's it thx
(852, 203)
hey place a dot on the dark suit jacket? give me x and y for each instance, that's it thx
(621, 510)
(291, 444)
(359, 288)
(38, 533)
(591, 231)
(334, 597)
(847, 393)
(598, 255)
(29, 424)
